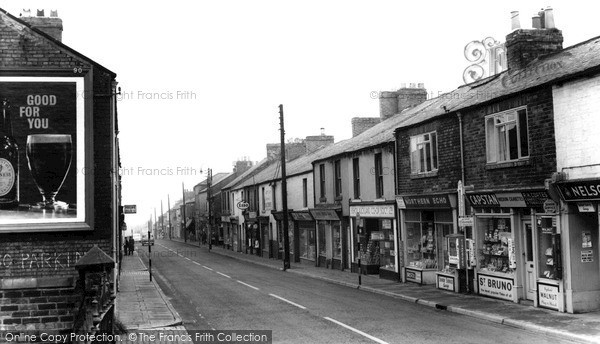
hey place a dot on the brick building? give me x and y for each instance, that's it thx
(55, 94)
(496, 138)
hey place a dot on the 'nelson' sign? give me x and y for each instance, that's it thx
(582, 190)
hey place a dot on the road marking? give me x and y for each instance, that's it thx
(357, 331)
(196, 263)
(288, 301)
(187, 258)
(222, 274)
(248, 285)
(207, 268)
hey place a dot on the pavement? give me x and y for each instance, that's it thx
(581, 328)
(143, 309)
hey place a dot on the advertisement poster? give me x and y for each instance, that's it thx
(501, 288)
(47, 119)
(548, 296)
(445, 282)
(586, 240)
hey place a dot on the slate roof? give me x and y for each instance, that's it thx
(248, 173)
(568, 63)
(216, 179)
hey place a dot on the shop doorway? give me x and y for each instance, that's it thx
(529, 268)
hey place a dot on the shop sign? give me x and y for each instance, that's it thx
(427, 201)
(302, 216)
(582, 190)
(586, 207)
(483, 200)
(445, 282)
(252, 215)
(324, 214)
(49, 127)
(548, 296)
(466, 221)
(386, 224)
(587, 256)
(534, 199)
(400, 202)
(511, 200)
(129, 209)
(550, 206)
(242, 205)
(414, 275)
(460, 190)
(377, 235)
(372, 210)
(224, 218)
(498, 287)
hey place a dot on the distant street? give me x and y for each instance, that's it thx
(211, 291)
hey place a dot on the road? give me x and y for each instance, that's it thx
(211, 291)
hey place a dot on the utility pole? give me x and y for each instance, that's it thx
(169, 211)
(162, 220)
(150, 250)
(208, 199)
(183, 217)
(286, 235)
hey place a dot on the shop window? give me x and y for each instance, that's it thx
(384, 236)
(496, 245)
(337, 239)
(549, 256)
(304, 192)
(423, 153)
(507, 137)
(424, 233)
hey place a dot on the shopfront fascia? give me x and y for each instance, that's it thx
(375, 230)
(307, 238)
(425, 221)
(518, 247)
(330, 238)
(579, 219)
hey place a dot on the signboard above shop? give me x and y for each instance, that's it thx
(427, 201)
(384, 210)
(522, 199)
(580, 190)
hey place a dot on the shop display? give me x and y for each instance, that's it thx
(497, 250)
(549, 248)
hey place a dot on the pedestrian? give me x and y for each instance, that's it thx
(131, 245)
(126, 246)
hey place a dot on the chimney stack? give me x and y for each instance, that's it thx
(391, 103)
(360, 124)
(525, 45)
(51, 26)
(314, 143)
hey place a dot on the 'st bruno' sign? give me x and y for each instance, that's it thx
(47, 116)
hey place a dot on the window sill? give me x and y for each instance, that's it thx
(507, 164)
(323, 200)
(424, 175)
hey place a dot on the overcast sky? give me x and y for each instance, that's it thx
(201, 80)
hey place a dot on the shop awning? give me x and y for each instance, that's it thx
(302, 216)
(278, 215)
(324, 214)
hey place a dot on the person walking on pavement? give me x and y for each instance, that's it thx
(131, 245)
(126, 246)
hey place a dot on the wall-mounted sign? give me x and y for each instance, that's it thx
(580, 190)
(586, 207)
(301, 216)
(243, 205)
(48, 123)
(483, 200)
(385, 210)
(413, 275)
(548, 296)
(324, 214)
(524, 199)
(427, 201)
(498, 287)
(400, 202)
(587, 256)
(550, 206)
(466, 221)
(129, 209)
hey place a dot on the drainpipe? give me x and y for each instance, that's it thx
(462, 154)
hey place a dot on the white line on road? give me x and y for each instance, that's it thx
(187, 258)
(248, 285)
(196, 263)
(357, 331)
(207, 268)
(222, 274)
(288, 301)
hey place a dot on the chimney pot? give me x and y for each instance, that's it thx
(514, 20)
(536, 22)
(54, 13)
(549, 18)
(40, 13)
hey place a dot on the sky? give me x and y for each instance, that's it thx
(201, 81)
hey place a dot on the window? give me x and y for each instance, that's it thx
(322, 180)
(423, 153)
(378, 176)
(506, 136)
(338, 178)
(356, 177)
(273, 197)
(262, 201)
(304, 193)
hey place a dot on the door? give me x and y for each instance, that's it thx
(529, 262)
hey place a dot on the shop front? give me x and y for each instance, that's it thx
(234, 228)
(277, 242)
(374, 239)
(264, 235)
(579, 230)
(252, 233)
(307, 241)
(329, 238)
(517, 246)
(426, 221)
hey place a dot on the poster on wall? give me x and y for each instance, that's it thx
(42, 175)
(586, 240)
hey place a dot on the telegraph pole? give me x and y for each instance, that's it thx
(183, 218)
(208, 199)
(149, 250)
(169, 211)
(162, 220)
(286, 234)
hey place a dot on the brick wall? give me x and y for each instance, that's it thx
(360, 124)
(40, 258)
(525, 45)
(577, 141)
(449, 166)
(542, 157)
